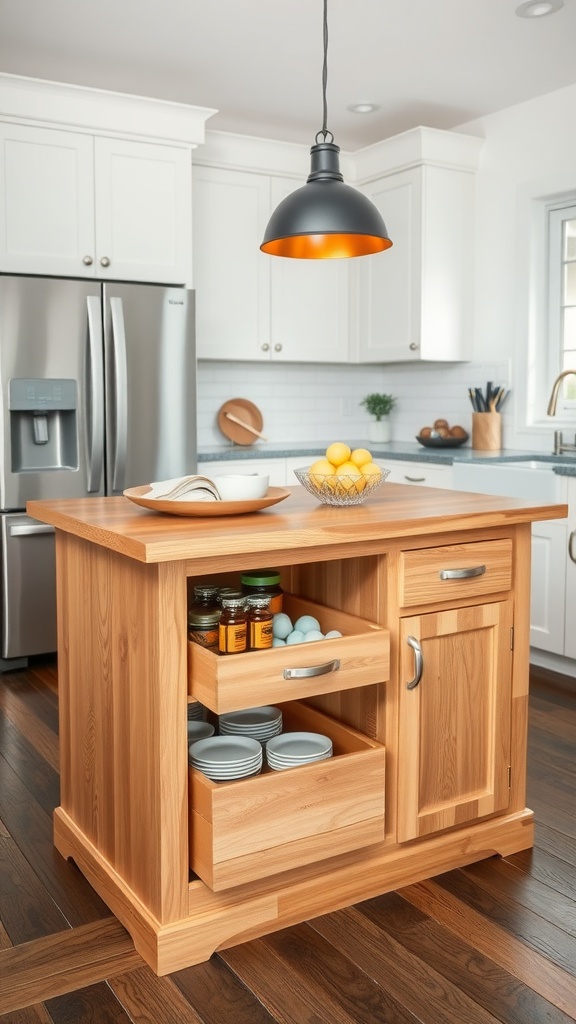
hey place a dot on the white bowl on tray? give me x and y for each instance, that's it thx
(242, 487)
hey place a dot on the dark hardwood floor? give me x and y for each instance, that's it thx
(492, 942)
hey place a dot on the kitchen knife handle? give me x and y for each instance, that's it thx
(120, 439)
(462, 574)
(312, 670)
(418, 662)
(95, 407)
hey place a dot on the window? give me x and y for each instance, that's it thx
(562, 302)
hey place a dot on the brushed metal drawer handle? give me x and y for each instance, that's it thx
(312, 670)
(415, 479)
(571, 545)
(418, 662)
(462, 574)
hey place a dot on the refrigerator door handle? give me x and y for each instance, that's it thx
(95, 391)
(120, 439)
(30, 530)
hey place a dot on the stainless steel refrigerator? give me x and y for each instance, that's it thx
(98, 393)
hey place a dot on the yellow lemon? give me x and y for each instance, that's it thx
(350, 477)
(361, 456)
(319, 470)
(338, 453)
(371, 471)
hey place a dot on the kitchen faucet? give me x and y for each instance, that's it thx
(559, 445)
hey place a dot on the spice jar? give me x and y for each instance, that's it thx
(260, 619)
(264, 581)
(203, 617)
(233, 626)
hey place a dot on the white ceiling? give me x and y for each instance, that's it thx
(439, 63)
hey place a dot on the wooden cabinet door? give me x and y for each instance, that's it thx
(46, 202)
(454, 733)
(143, 212)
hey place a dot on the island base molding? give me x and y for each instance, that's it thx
(219, 920)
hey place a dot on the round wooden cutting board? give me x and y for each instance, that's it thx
(243, 410)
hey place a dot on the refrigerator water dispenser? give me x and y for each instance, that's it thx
(43, 432)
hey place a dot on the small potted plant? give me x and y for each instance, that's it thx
(380, 407)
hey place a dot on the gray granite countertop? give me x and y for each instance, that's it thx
(406, 451)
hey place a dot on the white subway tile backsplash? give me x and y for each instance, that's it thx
(315, 402)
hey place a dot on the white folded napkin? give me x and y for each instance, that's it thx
(185, 488)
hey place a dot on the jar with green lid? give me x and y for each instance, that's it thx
(264, 581)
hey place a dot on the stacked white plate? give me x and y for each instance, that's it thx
(222, 758)
(292, 749)
(196, 711)
(259, 723)
(198, 730)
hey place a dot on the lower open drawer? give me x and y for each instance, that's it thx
(251, 828)
(359, 657)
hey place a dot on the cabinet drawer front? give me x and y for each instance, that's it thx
(252, 828)
(458, 570)
(358, 658)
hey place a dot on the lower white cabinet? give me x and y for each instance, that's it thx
(423, 474)
(570, 559)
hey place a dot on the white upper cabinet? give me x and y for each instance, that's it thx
(95, 184)
(231, 275)
(309, 302)
(251, 306)
(47, 201)
(94, 207)
(415, 300)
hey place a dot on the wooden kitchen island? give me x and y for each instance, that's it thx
(425, 698)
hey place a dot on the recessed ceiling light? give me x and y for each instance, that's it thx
(538, 8)
(363, 108)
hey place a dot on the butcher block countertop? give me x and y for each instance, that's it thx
(396, 510)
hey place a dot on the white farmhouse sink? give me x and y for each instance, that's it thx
(532, 480)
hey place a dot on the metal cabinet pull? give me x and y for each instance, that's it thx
(265, 347)
(312, 670)
(571, 545)
(418, 662)
(105, 262)
(462, 574)
(87, 261)
(415, 479)
(277, 348)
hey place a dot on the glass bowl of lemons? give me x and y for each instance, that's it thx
(344, 476)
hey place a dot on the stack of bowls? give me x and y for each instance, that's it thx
(292, 749)
(223, 758)
(259, 723)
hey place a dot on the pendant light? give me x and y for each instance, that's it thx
(325, 219)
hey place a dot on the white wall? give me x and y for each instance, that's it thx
(528, 149)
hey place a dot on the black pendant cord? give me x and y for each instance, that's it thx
(324, 132)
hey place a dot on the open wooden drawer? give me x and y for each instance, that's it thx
(251, 828)
(231, 682)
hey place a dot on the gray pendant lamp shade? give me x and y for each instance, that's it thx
(325, 219)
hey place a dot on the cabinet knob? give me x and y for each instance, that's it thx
(265, 347)
(105, 262)
(87, 261)
(413, 346)
(277, 348)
